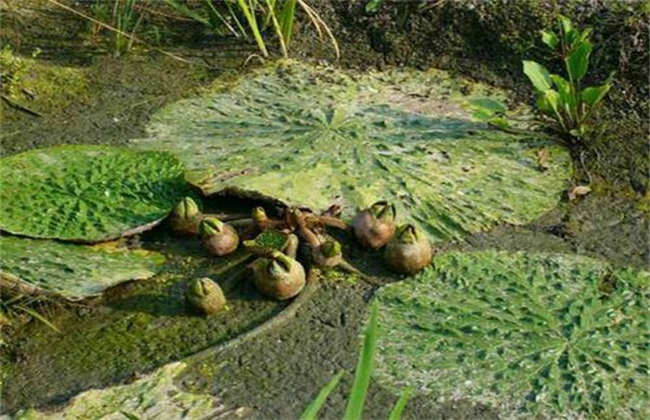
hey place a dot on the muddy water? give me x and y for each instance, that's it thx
(278, 373)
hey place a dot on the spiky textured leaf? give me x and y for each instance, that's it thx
(73, 271)
(315, 136)
(87, 193)
(157, 395)
(542, 333)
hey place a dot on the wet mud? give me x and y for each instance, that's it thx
(278, 373)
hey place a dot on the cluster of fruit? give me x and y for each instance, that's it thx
(276, 272)
(407, 249)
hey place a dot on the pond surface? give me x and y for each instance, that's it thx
(135, 332)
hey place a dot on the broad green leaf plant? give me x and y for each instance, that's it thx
(566, 104)
(566, 101)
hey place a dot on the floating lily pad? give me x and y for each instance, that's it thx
(542, 333)
(87, 193)
(72, 271)
(315, 136)
(154, 396)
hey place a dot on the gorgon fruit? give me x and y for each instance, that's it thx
(375, 226)
(205, 296)
(409, 251)
(185, 217)
(218, 238)
(278, 276)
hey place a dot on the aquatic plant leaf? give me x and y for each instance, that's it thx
(156, 395)
(543, 333)
(70, 270)
(87, 193)
(316, 136)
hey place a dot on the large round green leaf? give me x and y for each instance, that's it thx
(72, 271)
(317, 136)
(87, 193)
(547, 334)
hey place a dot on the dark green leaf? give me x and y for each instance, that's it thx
(594, 94)
(578, 62)
(74, 271)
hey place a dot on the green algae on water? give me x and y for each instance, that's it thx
(271, 239)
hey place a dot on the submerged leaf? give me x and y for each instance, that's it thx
(315, 136)
(87, 193)
(532, 332)
(488, 104)
(156, 395)
(73, 271)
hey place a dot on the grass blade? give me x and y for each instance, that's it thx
(363, 370)
(278, 29)
(315, 406)
(396, 413)
(184, 10)
(116, 30)
(317, 22)
(249, 13)
(215, 17)
(287, 17)
(37, 316)
(235, 18)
